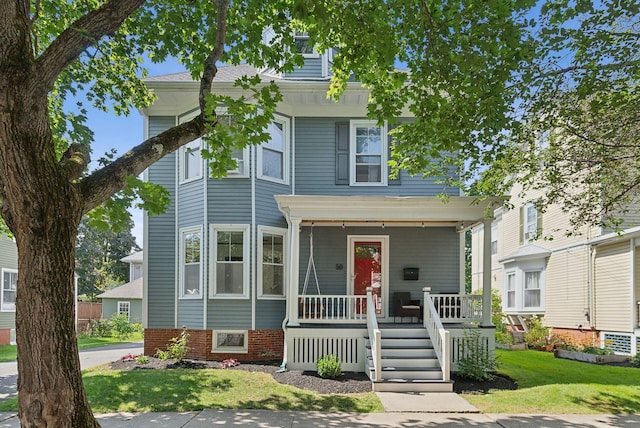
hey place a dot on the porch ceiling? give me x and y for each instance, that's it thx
(462, 211)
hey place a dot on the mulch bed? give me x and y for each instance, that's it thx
(348, 383)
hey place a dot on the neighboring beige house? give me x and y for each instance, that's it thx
(126, 298)
(585, 286)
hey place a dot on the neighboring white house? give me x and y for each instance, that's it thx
(126, 298)
(8, 283)
(586, 287)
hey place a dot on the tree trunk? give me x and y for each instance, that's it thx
(42, 206)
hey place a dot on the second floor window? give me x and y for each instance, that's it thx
(273, 154)
(494, 239)
(368, 158)
(303, 46)
(530, 223)
(191, 161)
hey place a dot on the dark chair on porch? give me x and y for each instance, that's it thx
(403, 306)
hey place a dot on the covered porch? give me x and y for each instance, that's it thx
(345, 318)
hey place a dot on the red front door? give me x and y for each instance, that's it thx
(367, 269)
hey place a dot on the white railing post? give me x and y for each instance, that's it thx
(375, 336)
(426, 291)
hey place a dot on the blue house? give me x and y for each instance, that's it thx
(309, 247)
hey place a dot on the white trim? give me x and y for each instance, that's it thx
(254, 288)
(128, 303)
(215, 349)
(278, 231)
(286, 129)
(7, 270)
(384, 147)
(181, 160)
(246, 243)
(384, 242)
(197, 294)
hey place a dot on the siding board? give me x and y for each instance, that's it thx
(613, 288)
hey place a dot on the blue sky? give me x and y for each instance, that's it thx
(122, 133)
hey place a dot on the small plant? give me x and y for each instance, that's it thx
(329, 367)
(267, 353)
(178, 349)
(478, 363)
(230, 362)
(162, 355)
(538, 334)
(121, 327)
(636, 359)
(596, 351)
(99, 328)
(142, 359)
(505, 338)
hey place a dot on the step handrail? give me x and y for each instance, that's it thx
(439, 336)
(375, 336)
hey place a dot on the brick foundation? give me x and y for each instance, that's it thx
(5, 336)
(264, 345)
(577, 337)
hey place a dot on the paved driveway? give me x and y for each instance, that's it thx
(88, 358)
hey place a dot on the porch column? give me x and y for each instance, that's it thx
(486, 275)
(294, 269)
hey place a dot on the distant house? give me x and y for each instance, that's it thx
(586, 286)
(126, 298)
(8, 282)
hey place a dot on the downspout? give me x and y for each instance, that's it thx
(177, 239)
(254, 240)
(204, 255)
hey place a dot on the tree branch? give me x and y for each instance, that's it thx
(99, 186)
(103, 183)
(83, 33)
(75, 160)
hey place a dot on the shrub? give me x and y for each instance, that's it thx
(505, 338)
(142, 359)
(163, 355)
(538, 334)
(477, 362)
(329, 367)
(636, 359)
(99, 328)
(121, 327)
(178, 349)
(596, 351)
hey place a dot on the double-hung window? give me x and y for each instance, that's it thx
(271, 269)
(240, 156)
(273, 158)
(303, 45)
(494, 238)
(532, 289)
(368, 154)
(191, 266)
(511, 290)
(191, 161)
(530, 223)
(230, 261)
(124, 309)
(9, 287)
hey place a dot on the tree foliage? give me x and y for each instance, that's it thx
(577, 143)
(98, 255)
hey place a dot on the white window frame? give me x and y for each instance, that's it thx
(494, 238)
(305, 35)
(511, 274)
(524, 289)
(217, 349)
(267, 230)
(184, 152)
(384, 148)
(528, 233)
(246, 244)
(285, 122)
(183, 232)
(235, 173)
(128, 305)
(10, 271)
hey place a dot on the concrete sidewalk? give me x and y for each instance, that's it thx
(270, 419)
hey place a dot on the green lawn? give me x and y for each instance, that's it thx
(8, 352)
(184, 390)
(553, 385)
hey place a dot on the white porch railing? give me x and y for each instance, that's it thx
(375, 336)
(439, 336)
(457, 307)
(339, 309)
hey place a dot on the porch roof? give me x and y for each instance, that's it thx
(459, 211)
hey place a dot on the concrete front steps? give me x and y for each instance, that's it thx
(409, 362)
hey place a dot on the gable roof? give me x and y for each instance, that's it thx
(133, 258)
(130, 290)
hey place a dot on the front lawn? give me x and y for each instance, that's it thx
(186, 390)
(552, 385)
(8, 352)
